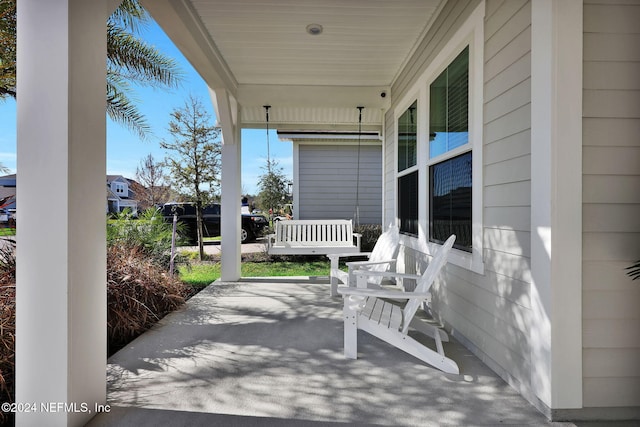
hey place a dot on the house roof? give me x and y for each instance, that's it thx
(262, 54)
(7, 192)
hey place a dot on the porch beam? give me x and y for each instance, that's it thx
(61, 265)
(226, 109)
(315, 96)
(556, 205)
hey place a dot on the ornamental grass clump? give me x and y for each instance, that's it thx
(7, 345)
(7, 325)
(139, 293)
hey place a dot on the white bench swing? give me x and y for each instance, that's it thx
(318, 237)
(313, 237)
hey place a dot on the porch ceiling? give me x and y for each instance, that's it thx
(262, 54)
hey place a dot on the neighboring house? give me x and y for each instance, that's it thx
(8, 199)
(8, 189)
(336, 174)
(120, 194)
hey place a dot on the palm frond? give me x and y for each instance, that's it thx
(121, 109)
(7, 49)
(634, 271)
(130, 14)
(133, 62)
(139, 61)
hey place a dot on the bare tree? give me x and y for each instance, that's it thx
(196, 160)
(152, 176)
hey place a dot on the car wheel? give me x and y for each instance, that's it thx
(244, 235)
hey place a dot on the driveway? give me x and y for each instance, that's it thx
(214, 248)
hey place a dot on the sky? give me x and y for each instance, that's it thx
(125, 150)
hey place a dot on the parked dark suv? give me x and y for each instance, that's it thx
(252, 225)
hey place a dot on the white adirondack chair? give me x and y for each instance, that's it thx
(366, 309)
(381, 258)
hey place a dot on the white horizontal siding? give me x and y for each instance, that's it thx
(612, 363)
(611, 203)
(517, 218)
(329, 182)
(493, 310)
(516, 145)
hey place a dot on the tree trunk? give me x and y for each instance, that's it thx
(199, 229)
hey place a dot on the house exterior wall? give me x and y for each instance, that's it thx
(490, 312)
(611, 204)
(327, 176)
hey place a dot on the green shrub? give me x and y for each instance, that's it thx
(370, 234)
(148, 233)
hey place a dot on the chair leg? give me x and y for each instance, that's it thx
(333, 291)
(429, 330)
(350, 332)
(407, 344)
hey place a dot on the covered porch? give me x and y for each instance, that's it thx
(526, 296)
(268, 351)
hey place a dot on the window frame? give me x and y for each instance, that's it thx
(119, 188)
(471, 34)
(411, 169)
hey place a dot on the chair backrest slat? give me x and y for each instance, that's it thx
(426, 280)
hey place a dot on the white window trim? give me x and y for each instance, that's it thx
(471, 34)
(397, 113)
(119, 188)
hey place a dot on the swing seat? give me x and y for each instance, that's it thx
(313, 237)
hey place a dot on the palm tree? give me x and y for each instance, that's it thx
(130, 61)
(7, 48)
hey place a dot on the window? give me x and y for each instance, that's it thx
(450, 201)
(450, 180)
(449, 107)
(408, 204)
(408, 138)
(408, 171)
(438, 175)
(119, 187)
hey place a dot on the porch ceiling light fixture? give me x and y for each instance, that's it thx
(314, 29)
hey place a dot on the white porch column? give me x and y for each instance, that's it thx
(61, 270)
(230, 222)
(556, 205)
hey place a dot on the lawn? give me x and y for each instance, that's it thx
(201, 274)
(7, 231)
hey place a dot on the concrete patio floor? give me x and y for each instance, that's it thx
(268, 352)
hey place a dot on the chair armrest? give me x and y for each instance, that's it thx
(358, 238)
(387, 274)
(382, 293)
(357, 264)
(361, 276)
